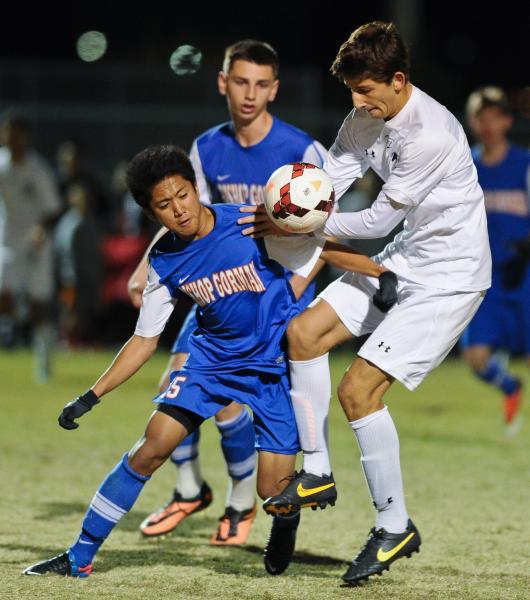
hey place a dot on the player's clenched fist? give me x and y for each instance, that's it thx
(386, 295)
(77, 408)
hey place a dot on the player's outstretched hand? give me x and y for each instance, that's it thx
(260, 222)
(76, 409)
(386, 295)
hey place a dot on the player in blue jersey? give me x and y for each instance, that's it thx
(232, 162)
(237, 352)
(503, 320)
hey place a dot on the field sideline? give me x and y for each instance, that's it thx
(467, 490)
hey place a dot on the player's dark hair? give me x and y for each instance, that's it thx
(373, 51)
(252, 51)
(151, 166)
(487, 97)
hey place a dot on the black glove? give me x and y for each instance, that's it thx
(386, 295)
(77, 408)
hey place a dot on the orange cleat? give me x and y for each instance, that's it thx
(166, 519)
(512, 404)
(234, 527)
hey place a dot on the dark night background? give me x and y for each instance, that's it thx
(130, 97)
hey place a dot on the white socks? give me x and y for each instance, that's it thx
(189, 478)
(241, 492)
(311, 393)
(379, 445)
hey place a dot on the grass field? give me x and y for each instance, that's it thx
(467, 489)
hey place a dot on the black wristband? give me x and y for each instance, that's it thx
(89, 398)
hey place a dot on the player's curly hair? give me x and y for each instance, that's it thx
(373, 51)
(151, 166)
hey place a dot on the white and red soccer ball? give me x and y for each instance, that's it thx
(299, 197)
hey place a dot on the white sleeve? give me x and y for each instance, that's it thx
(157, 306)
(204, 190)
(374, 222)
(344, 162)
(298, 253)
(315, 154)
(423, 161)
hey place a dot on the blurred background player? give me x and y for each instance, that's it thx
(29, 206)
(503, 320)
(232, 162)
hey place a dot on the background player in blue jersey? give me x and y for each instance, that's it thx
(237, 352)
(503, 320)
(232, 162)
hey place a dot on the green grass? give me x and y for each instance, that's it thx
(467, 489)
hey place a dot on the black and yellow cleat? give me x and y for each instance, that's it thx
(380, 551)
(304, 489)
(280, 545)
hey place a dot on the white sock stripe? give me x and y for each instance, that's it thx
(184, 452)
(104, 515)
(363, 421)
(106, 508)
(242, 420)
(239, 468)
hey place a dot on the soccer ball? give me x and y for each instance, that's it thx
(299, 197)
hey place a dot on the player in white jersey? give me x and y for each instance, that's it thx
(29, 202)
(233, 162)
(441, 257)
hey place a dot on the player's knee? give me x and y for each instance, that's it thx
(146, 458)
(354, 398)
(477, 358)
(302, 341)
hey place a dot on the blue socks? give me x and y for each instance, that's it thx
(187, 450)
(497, 375)
(114, 498)
(237, 443)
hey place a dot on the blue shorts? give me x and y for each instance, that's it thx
(268, 395)
(502, 322)
(188, 327)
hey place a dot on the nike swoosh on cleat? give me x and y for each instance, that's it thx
(303, 492)
(383, 555)
(222, 177)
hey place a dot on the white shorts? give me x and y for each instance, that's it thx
(417, 333)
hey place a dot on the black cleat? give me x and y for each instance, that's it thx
(62, 564)
(381, 550)
(305, 489)
(280, 546)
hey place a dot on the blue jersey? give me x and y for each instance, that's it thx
(507, 200)
(230, 173)
(244, 299)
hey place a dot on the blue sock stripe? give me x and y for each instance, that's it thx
(244, 468)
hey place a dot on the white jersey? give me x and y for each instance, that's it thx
(424, 159)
